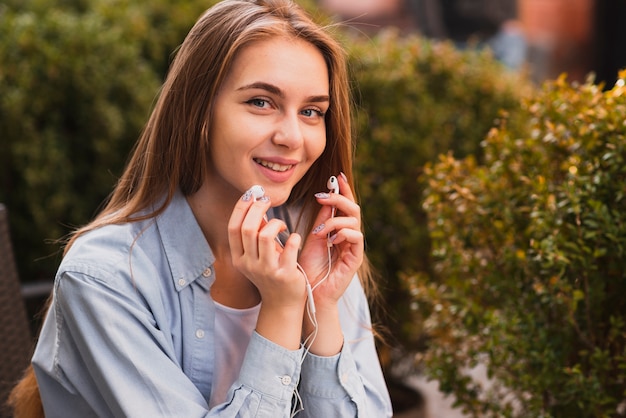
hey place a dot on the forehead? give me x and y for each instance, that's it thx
(281, 61)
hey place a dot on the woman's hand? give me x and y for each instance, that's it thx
(322, 330)
(343, 232)
(255, 253)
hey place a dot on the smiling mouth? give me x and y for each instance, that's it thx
(273, 166)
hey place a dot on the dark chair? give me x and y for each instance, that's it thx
(16, 340)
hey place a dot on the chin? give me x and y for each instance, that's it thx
(279, 202)
(278, 197)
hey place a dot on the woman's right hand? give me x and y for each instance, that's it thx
(271, 268)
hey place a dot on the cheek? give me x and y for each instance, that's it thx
(223, 157)
(317, 146)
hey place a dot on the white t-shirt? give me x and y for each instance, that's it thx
(233, 329)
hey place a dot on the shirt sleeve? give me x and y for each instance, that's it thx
(268, 371)
(350, 384)
(102, 354)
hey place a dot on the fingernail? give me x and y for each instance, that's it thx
(319, 228)
(343, 176)
(264, 199)
(247, 196)
(332, 237)
(322, 195)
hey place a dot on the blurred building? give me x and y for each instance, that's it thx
(559, 33)
(554, 36)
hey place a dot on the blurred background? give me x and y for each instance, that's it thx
(550, 36)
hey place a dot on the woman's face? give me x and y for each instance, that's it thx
(268, 124)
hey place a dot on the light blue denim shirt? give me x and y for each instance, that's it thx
(130, 334)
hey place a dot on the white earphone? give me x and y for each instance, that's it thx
(257, 192)
(333, 184)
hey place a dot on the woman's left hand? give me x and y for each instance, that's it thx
(343, 232)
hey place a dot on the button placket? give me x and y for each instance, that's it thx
(344, 378)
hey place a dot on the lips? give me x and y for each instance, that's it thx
(274, 166)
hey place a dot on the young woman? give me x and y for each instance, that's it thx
(221, 277)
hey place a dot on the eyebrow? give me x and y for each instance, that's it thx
(278, 92)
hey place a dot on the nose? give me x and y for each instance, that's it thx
(288, 132)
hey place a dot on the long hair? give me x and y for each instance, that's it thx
(172, 151)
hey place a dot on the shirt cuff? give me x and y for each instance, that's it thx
(330, 377)
(270, 369)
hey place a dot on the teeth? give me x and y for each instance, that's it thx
(273, 166)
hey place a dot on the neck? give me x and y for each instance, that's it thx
(212, 212)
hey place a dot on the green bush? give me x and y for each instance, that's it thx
(74, 95)
(530, 250)
(416, 99)
(156, 27)
(76, 85)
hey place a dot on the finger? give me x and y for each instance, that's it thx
(289, 257)
(344, 187)
(268, 244)
(324, 213)
(251, 225)
(348, 236)
(235, 222)
(337, 224)
(343, 204)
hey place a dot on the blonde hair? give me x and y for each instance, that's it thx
(172, 151)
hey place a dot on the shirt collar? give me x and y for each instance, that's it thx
(189, 256)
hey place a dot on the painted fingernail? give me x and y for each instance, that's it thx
(264, 199)
(332, 237)
(247, 196)
(322, 195)
(319, 228)
(343, 176)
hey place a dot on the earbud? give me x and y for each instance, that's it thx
(257, 192)
(333, 184)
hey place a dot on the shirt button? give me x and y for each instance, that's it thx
(285, 380)
(207, 272)
(182, 282)
(200, 333)
(344, 378)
